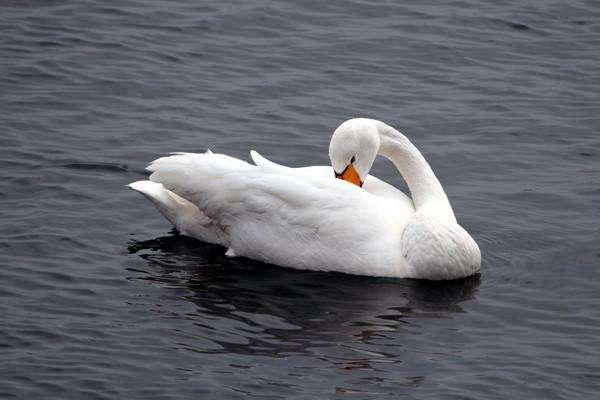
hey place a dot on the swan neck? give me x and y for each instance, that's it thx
(425, 189)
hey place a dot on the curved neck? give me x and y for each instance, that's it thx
(425, 189)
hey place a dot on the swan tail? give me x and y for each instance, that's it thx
(215, 184)
(168, 203)
(182, 214)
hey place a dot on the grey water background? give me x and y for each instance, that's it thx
(100, 299)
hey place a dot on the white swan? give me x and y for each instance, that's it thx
(303, 218)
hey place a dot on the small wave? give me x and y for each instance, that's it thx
(98, 166)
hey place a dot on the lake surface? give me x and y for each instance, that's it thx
(100, 299)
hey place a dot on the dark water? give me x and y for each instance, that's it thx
(98, 299)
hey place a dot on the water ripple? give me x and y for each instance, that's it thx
(99, 301)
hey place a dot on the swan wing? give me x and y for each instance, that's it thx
(301, 221)
(185, 216)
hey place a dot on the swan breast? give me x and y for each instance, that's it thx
(438, 249)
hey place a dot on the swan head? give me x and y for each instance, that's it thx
(353, 148)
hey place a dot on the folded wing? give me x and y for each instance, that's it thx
(274, 213)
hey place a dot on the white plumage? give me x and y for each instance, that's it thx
(304, 218)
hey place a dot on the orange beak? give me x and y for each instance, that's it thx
(350, 175)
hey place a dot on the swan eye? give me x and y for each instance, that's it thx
(352, 160)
